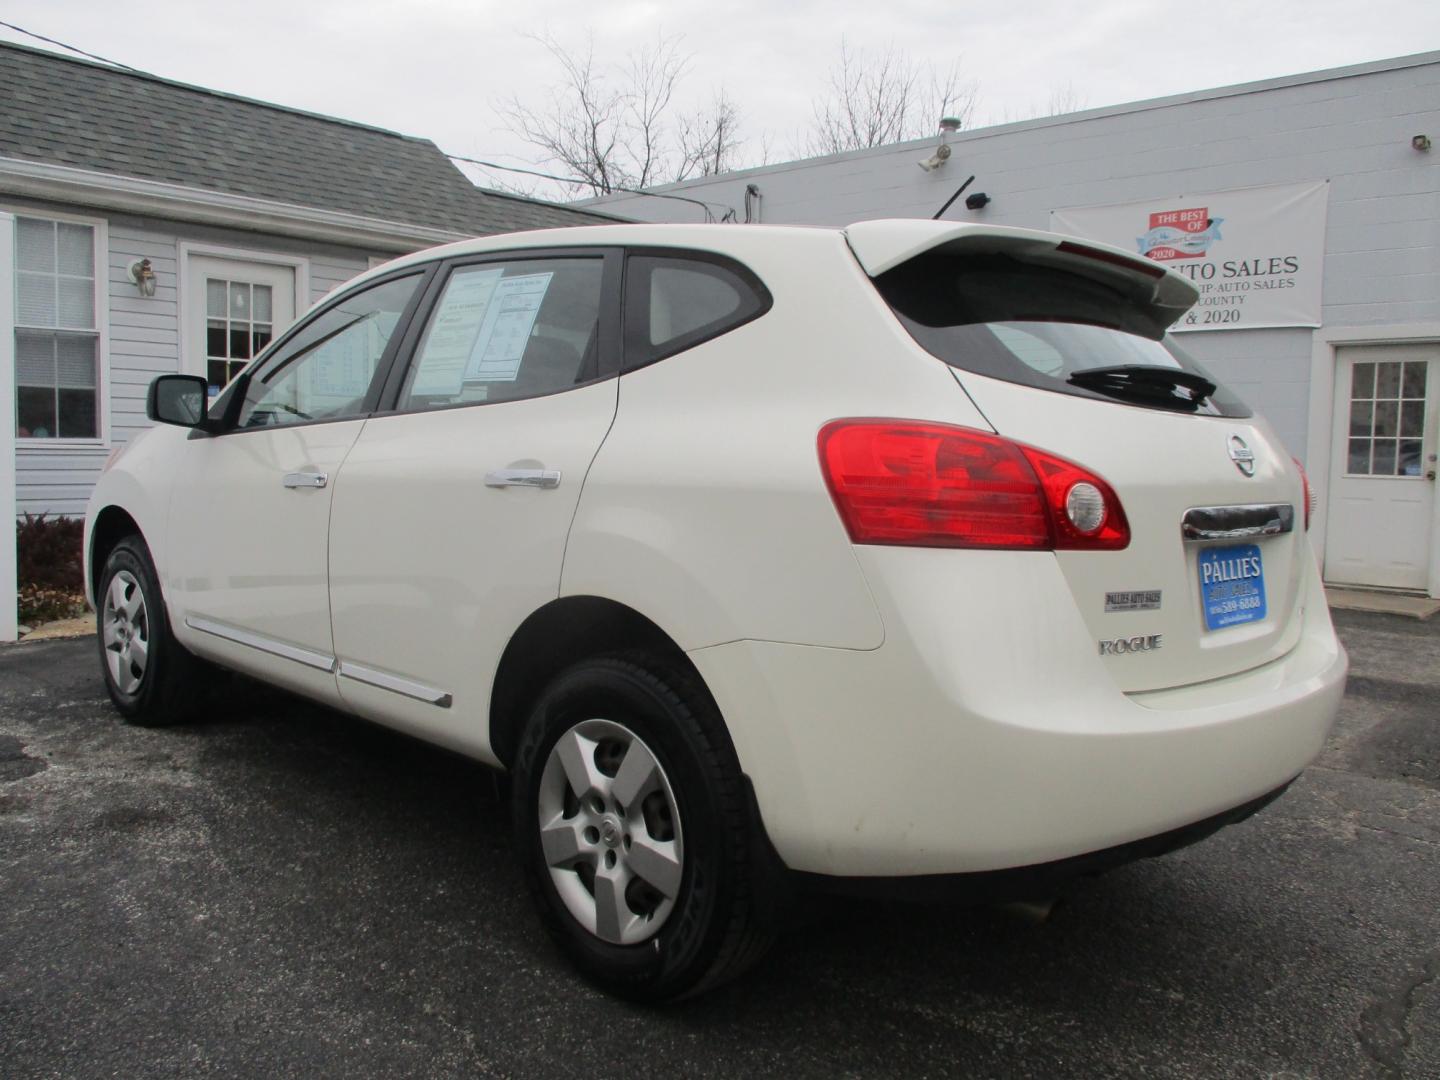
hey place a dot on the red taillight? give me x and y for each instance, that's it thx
(1305, 492)
(920, 484)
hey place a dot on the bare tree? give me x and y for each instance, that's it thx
(885, 97)
(709, 139)
(614, 127)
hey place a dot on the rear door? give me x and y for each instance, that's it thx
(449, 521)
(1061, 345)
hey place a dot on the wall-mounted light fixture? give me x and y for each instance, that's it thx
(1421, 143)
(948, 126)
(143, 276)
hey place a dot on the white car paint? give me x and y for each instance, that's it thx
(898, 710)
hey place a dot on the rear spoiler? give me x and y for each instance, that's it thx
(883, 245)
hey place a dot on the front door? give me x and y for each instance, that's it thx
(250, 515)
(234, 308)
(1382, 467)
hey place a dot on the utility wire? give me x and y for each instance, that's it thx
(709, 217)
(72, 48)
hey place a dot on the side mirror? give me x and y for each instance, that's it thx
(178, 399)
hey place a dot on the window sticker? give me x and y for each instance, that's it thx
(453, 334)
(506, 329)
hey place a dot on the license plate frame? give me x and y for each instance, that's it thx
(1232, 585)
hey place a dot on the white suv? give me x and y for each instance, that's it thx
(909, 554)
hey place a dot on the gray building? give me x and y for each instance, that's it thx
(1335, 164)
(161, 227)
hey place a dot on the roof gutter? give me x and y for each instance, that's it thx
(176, 202)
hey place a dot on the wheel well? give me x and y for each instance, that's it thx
(111, 526)
(560, 634)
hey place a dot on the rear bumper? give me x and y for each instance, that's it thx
(972, 741)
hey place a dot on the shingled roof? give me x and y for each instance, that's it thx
(63, 111)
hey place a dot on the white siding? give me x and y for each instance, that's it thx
(1353, 127)
(144, 342)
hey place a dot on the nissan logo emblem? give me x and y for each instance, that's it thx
(1242, 455)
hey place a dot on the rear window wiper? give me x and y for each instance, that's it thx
(1162, 387)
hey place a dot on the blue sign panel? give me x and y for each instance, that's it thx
(1232, 585)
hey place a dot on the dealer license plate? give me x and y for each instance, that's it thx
(1232, 585)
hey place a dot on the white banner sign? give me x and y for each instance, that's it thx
(1256, 254)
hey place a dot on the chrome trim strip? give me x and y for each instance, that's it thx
(1236, 522)
(395, 684)
(298, 653)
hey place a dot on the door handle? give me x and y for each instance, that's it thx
(306, 479)
(536, 478)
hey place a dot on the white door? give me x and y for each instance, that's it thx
(1382, 467)
(451, 513)
(233, 309)
(249, 519)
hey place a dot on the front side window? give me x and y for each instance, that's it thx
(57, 376)
(506, 331)
(325, 370)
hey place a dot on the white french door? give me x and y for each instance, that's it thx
(233, 309)
(1381, 529)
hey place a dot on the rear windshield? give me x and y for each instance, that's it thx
(998, 316)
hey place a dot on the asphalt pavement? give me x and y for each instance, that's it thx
(281, 891)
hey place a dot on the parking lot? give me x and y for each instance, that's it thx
(280, 890)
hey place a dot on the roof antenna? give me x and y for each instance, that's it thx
(960, 191)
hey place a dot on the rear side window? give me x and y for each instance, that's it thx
(676, 301)
(502, 331)
(1044, 327)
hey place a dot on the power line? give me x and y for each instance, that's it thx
(709, 217)
(72, 48)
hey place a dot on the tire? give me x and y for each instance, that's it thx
(152, 679)
(635, 831)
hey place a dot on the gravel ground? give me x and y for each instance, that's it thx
(280, 890)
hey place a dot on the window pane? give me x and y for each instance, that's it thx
(1414, 385)
(262, 303)
(1384, 457)
(1409, 464)
(1358, 460)
(239, 300)
(504, 332)
(35, 412)
(216, 373)
(77, 304)
(240, 342)
(34, 300)
(35, 245)
(34, 359)
(76, 249)
(1387, 380)
(1386, 413)
(1362, 381)
(215, 338)
(686, 296)
(1361, 413)
(325, 370)
(1412, 419)
(261, 338)
(215, 298)
(74, 362)
(77, 414)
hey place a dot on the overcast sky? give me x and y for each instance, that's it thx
(438, 68)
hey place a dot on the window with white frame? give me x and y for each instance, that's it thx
(57, 362)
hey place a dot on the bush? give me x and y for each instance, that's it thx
(50, 567)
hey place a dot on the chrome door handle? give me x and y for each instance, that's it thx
(306, 479)
(536, 478)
